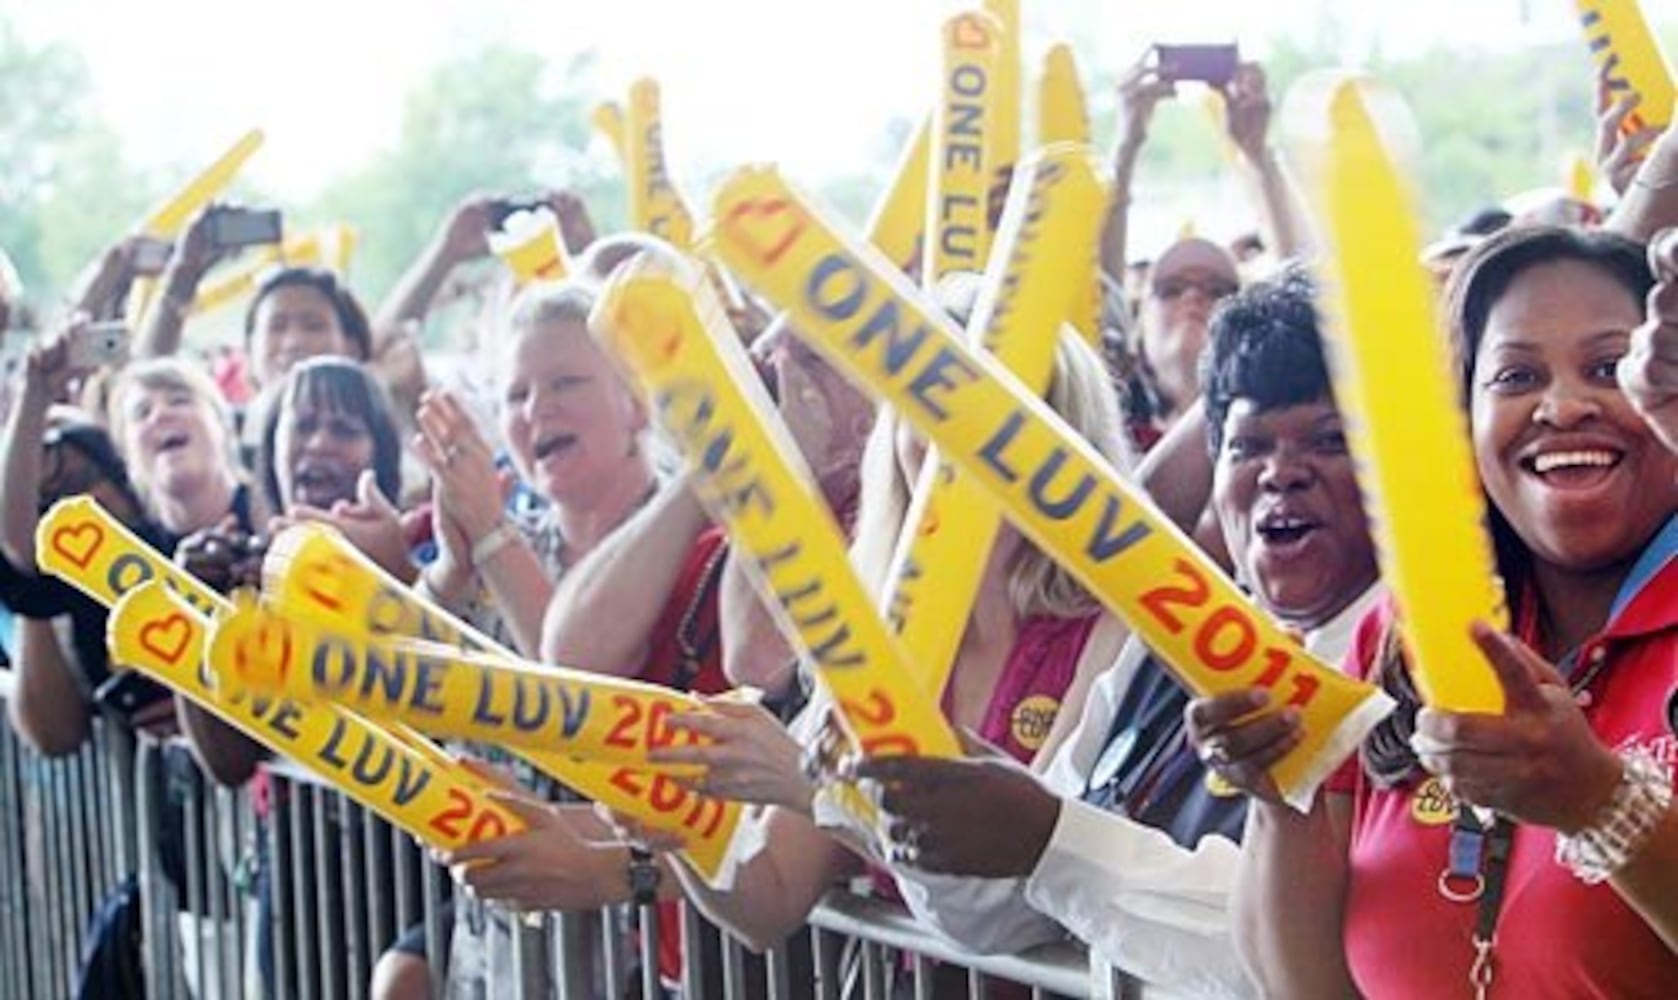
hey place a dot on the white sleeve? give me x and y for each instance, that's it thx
(1144, 904)
(994, 916)
(990, 916)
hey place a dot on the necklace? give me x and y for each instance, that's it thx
(692, 647)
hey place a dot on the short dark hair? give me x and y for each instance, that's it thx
(341, 386)
(1486, 221)
(1263, 344)
(352, 318)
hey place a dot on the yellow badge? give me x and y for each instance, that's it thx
(1218, 786)
(1432, 805)
(1032, 720)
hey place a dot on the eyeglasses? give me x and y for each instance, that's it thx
(1175, 288)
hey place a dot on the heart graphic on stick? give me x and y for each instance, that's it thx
(167, 638)
(78, 543)
(765, 227)
(969, 32)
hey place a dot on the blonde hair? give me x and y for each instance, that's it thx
(169, 375)
(1082, 393)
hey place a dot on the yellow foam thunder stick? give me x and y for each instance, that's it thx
(1052, 221)
(958, 192)
(80, 543)
(529, 243)
(864, 318)
(1392, 378)
(898, 222)
(654, 205)
(313, 576)
(1062, 113)
(670, 331)
(1630, 57)
(169, 218)
(1002, 136)
(444, 690)
(154, 630)
(166, 221)
(1063, 116)
(329, 247)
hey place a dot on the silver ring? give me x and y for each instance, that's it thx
(450, 453)
(1215, 753)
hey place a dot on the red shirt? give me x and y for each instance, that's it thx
(1556, 936)
(1028, 696)
(685, 649)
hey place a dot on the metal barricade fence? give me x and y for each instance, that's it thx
(301, 899)
(855, 947)
(66, 843)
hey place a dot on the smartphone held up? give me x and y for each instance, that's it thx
(233, 228)
(1213, 65)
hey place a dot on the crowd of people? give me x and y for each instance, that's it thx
(1532, 853)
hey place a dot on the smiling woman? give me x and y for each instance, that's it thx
(1576, 770)
(331, 423)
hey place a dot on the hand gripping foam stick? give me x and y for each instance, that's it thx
(670, 331)
(80, 543)
(444, 690)
(312, 575)
(154, 630)
(1392, 378)
(852, 307)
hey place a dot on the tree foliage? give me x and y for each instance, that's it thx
(500, 120)
(507, 119)
(65, 185)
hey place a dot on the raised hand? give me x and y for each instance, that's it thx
(979, 817)
(1649, 371)
(1240, 744)
(1538, 762)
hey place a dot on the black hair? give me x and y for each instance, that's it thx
(340, 386)
(1482, 278)
(1263, 345)
(1486, 221)
(352, 318)
(94, 444)
(1479, 282)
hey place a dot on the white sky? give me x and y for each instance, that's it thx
(803, 83)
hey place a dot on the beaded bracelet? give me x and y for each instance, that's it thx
(494, 541)
(1624, 825)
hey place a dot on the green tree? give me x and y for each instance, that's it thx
(501, 119)
(66, 189)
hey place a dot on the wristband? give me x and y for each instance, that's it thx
(643, 875)
(1624, 825)
(499, 537)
